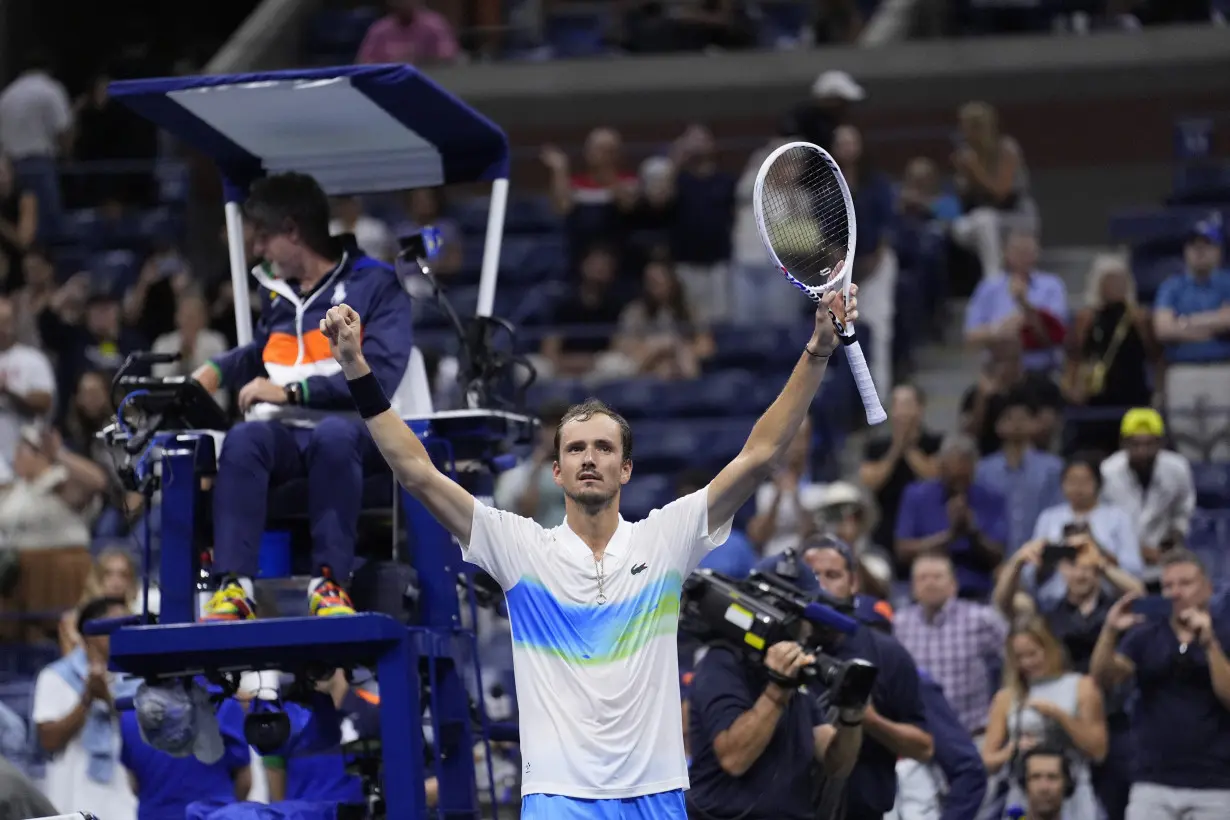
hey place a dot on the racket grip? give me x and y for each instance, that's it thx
(866, 387)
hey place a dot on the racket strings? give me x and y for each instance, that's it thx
(805, 216)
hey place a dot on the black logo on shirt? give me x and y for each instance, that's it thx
(639, 568)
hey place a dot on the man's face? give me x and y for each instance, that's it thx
(598, 269)
(1186, 587)
(957, 471)
(1142, 450)
(1044, 783)
(102, 319)
(590, 466)
(1081, 575)
(1015, 424)
(602, 148)
(831, 572)
(1080, 487)
(932, 583)
(906, 407)
(282, 250)
(1020, 254)
(1201, 255)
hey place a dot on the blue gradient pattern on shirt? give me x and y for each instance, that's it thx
(593, 633)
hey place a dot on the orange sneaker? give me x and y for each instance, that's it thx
(230, 603)
(330, 598)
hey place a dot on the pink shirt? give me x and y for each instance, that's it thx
(427, 39)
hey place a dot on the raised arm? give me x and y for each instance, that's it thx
(451, 505)
(773, 433)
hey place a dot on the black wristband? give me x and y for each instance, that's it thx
(368, 396)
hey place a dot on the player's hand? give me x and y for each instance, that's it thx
(260, 390)
(342, 327)
(832, 318)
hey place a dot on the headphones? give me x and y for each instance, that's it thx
(1065, 766)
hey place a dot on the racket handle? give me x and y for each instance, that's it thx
(866, 387)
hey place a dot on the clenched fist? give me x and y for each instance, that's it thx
(341, 326)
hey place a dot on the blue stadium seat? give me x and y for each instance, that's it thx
(783, 20)
(1145, 225)
(671, 446)
(577, 34)
(568, 391)
(636, 398)
(1212, 486)
(114, 270)
(1150, 273)
(158, 224)
(643, 494)
(532, 259)
(1209, 538)
(731, 392)
(1206, 184)
(524, 214)
(757, 348)
(82, 226)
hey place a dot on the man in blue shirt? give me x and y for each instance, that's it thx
(895, 720)
(1028, 479)
(1181, 721)
(166, 785)
(955, 514)
(1191, 316)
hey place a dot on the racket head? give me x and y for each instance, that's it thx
(805, 216)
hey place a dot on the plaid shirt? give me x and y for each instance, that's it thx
(956, 647)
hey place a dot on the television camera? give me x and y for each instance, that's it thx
(754, 614)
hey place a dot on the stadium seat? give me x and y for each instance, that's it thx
(643, 494)
(732, 392)
(568, 391)
(758, 349)
(113, 271)
(577, 34)
(524, 215)
(1139, 226)
(1209, 537)
(1212, 486)
(1204, 184)
(532, 259)
(159, 224)
(636, 398)
(340, 31)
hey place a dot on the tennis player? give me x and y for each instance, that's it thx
(594, 602)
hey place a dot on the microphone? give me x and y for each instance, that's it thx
(826, 616)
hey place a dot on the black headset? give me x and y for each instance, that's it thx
(1069, 782)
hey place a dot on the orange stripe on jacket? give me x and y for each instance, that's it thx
(283, 348)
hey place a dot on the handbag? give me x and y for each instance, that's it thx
(1093, 376)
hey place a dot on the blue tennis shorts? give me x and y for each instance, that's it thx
(663, 806)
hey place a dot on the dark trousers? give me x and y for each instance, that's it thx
(256, 455)
(1112, 778)
(41, 176)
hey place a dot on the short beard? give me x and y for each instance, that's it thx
(591, 501)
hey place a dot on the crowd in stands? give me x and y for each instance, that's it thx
(1013, 544)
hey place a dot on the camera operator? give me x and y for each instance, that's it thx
(895, 718)
(756, 735)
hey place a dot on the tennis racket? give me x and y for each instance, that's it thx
(805, 216)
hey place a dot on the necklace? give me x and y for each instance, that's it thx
(600, 577)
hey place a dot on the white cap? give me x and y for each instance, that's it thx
(837, 85)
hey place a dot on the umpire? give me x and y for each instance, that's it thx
(758, 745)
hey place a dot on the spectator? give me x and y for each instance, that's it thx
(1181, 723)
(954, 514)
(530, 489)
(1112, 353)
(113, 575)
(690, 25)
(1046, 782)
(583, 323)
(925, 212)
(844, 510)
(786, 506)
(1002, 376)
(426, 207)
(89, 413)
(993, 183)
(833, 95)
(44, 516)
(35, 128)
(1155, 485)
(27, 388)
(370, 233)
(106, 131)
(891, 462)
(657, 331)
(1025, 304)
(86, 333)
(875, 263)
(700, 231)
(599, 201)
(77, 724)
(192, 341)
(1042, 704)
(838, 22)
(410, 33)
(18, 226)
(149, 304)
(957, 642)
(1027, 480)
(32, 298)
(1192, 319)
(1109, 527)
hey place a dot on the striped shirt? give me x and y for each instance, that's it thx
(957, 646)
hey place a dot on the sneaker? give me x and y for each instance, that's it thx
(230, 603)
(328, 598)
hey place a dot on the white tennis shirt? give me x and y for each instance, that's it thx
(597, 684)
